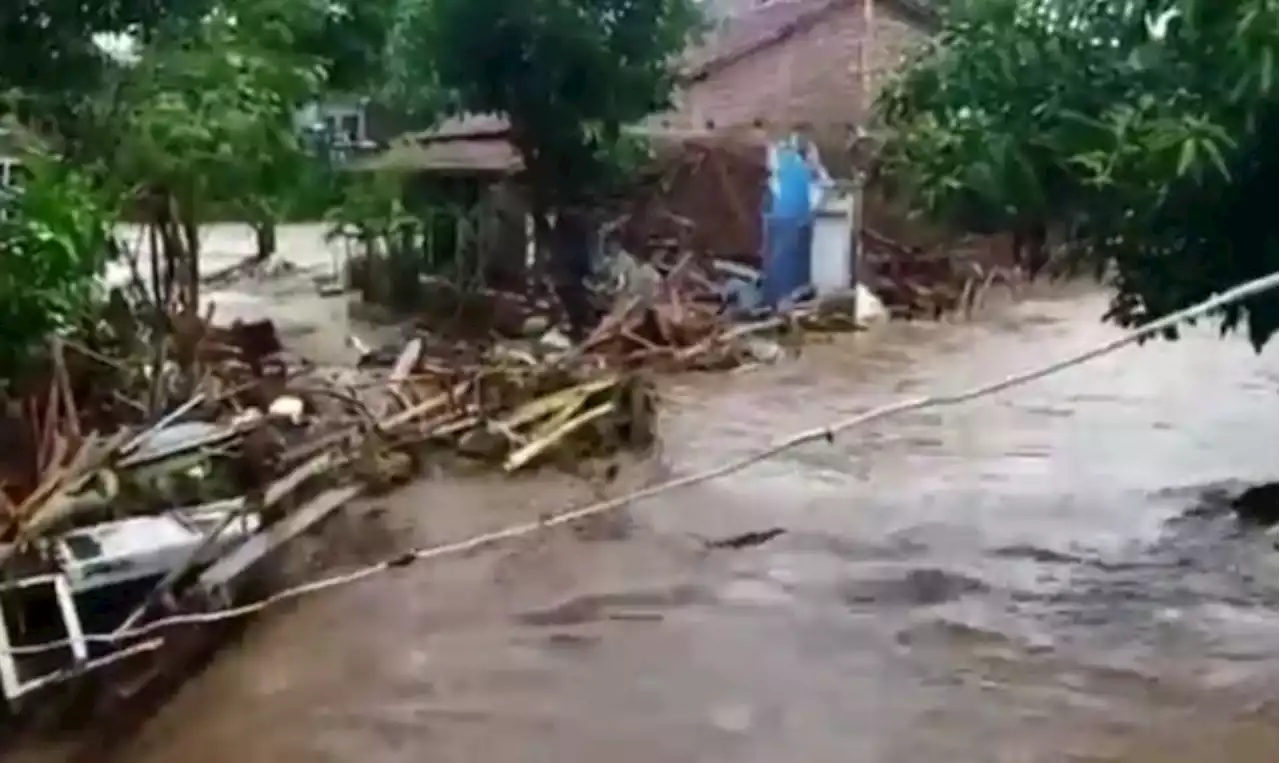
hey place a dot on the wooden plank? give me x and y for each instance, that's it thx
(216, 581)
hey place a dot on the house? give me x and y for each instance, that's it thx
(772, 64)
(785, 63)
(351, 126)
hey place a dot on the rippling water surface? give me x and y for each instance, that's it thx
(1047, 575)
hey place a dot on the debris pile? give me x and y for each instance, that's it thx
(672, 312)
(686, 313)
(159, 459)
(950, 278)
(257, 414)
(673, 318)
(159, 491)
(508, 406)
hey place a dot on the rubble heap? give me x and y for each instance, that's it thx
(160, 466)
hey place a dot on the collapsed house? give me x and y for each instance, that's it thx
(765, 71)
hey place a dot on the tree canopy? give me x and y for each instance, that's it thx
(201, 118)
(566, 74)
(194, 116)
(1142, 131)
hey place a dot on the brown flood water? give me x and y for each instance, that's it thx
(1040, 576)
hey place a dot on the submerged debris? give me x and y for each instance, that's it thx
(113, 518)
(1259, 504)
(744, 540)
(151, 470)
(934, 281)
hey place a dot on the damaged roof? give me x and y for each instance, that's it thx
(479, 141)
(774, 21)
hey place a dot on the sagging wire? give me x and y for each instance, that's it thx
(1243, 291)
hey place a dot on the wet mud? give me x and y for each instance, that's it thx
(1053, 574)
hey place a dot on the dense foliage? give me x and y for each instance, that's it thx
(197, 120)
(53, 63)
(209, 112)
(188, 115)
(1141, 132)
(54, 242)
(567, 74)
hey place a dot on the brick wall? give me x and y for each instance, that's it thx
(894, 39)
(812, 76)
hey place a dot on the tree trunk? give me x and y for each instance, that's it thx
(571, 265)
(564, 246)
(404, 264)
(172, 252)
(377, 285)
(1030, 248)
(190, 224)
(1038, 256)
(159, 294)
(264, 237)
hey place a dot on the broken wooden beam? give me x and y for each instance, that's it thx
(218, 580)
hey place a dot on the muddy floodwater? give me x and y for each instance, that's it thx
(1046, 575)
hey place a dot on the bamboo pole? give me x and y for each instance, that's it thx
(864, 55)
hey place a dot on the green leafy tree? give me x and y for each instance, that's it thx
(202, 123)
(567, 75)
(54, 244)
(196, 122)
(58, 76)
(54, 61)
(351, 37)
(1143, 132)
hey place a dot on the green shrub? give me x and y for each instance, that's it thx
(55, 240)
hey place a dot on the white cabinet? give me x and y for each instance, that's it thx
(831, 254)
